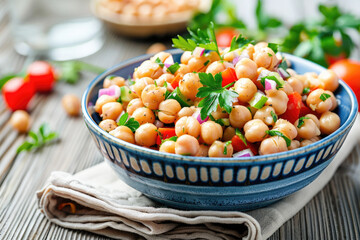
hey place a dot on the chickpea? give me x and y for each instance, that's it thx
(229, 133)
(287, 88)
(210, 132)
(260, 45)
(146, 135)
(155, 48)
(185, 112)
(272, 145)
(143, 115)
(113, 80)
(152, 96)
(314, 118)
(219, 113)
(124, 133)
(307, 142)
(161, 55)
(140, 84)
(187, 145)
(133, 105)
(216, 67)
(278, 100)
(101, 101)
(246, 89)
(255, 130)
(239, 116)
(329, 122)
(203, 151)
(108, 125)
(229, 57)
(218, 148)
(292, 72)
(329, 79)
(316, 104)
(111, 110)
(168, 110)
(294, 145)
(212, 56)
(197, 64)
(246, 68)
(148, 69)
(167, 146)
(333, 100)
(166, 77)
(249, 50)
(312, 80)
(264, 114)
(187, 125)
(183, 69)
(265, 57)
(185, 57)
(189, 85)
(308, 129)
(285, 127)
(296, 84)
(71, 104)
(20, 120)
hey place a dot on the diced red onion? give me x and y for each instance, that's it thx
(236, 60)
(263, 73)
(243, 153)
(283, 73)
(169, 61)
(198, 52)
(270, 84)
(197, 115)
(158, 124)
(113, 91)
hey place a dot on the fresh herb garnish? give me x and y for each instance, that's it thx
(173, 138)
(324, 96)
(241, 136)
(274, 117)
(39, 139)
(206, 63)
(70, 70)
(274, 47)
(239, 42)
(306, 90)
(301, 121)
(225, 147)
(130, 123)
(279, 84)
(158, 61)
(214, 94)
(173, 68)
(280, 134)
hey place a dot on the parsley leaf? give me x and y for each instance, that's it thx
(324, 96)
(173, 138)
(274, 47)
(158, 61)
(206, 63)
(239, 42)
(225, 147)
(173, 68)
(301, 121)
(274, 117)
(241, 136)
(306, 90)
(39, 139)
(214, 94)
(280, 134)
(184, 44)
(130, 123)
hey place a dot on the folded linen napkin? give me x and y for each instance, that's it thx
(105, 205)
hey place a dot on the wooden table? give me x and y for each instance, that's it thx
(333, 214)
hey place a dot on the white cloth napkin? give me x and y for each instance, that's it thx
(107, 206)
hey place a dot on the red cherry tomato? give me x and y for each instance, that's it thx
(349, 71)
(224, 37)
(239, 145)
(228, 76)
(293, 107)
(17, 93)
(41, 74)
(165, 133)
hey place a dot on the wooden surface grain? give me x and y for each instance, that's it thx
(333, 214)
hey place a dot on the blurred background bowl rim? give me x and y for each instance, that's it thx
(277, 157)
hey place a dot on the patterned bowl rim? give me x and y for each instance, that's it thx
(246, 160)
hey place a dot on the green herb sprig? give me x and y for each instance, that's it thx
(128, 122)
(324, 96)
(280, 134)
(301, 121)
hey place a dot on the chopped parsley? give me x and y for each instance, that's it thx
(239, 42)
(301, 121)
(324, 96)
(274, 47)
(274, 117)
(270, 55)
(128, 122)
(173, 68)
(173, 138)
(306, 90)
(279, 83)
(225, 147)
(206, 63)
(280, 134)
(241, 136)
(158, 61)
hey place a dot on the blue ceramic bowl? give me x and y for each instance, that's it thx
(217, 183)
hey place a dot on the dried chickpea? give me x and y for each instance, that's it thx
(255, 130)
(246, 68)
(185, 112)
(140, 84)
(229, 133)
(329, 79)
(246, 89)
(294, 145)
(146, 135)
(155, 48)
(113, 80)
(286, 127)
(185, 57)
(20, 120)
(272, 145)
(215, 67)
(111, 110)
(143, 115)
(189, 85)
(210, 132)
(265, 57)
(133, 105)
(152, 96)
(203, 151)
(187, 145)
(167, 146)
(187, 125)
(217, 149)
(166, 77)
(329, 122)
(123, 133)
(296, 84)
(168, 110)
(239, 116)
(314, 118)
(71, 104)
(264, 114)
(108, 125)
(101, 101)
(307, 130)
(148, 69)
(278, 100)
(316, 104)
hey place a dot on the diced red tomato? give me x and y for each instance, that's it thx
(305, 110)
(17, 93)
(293, 107)
(165, 133)
(239, 145)
(42, 75)
(224, 37)
(228, 76)
(175, 82)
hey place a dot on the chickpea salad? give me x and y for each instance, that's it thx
(239, 101)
